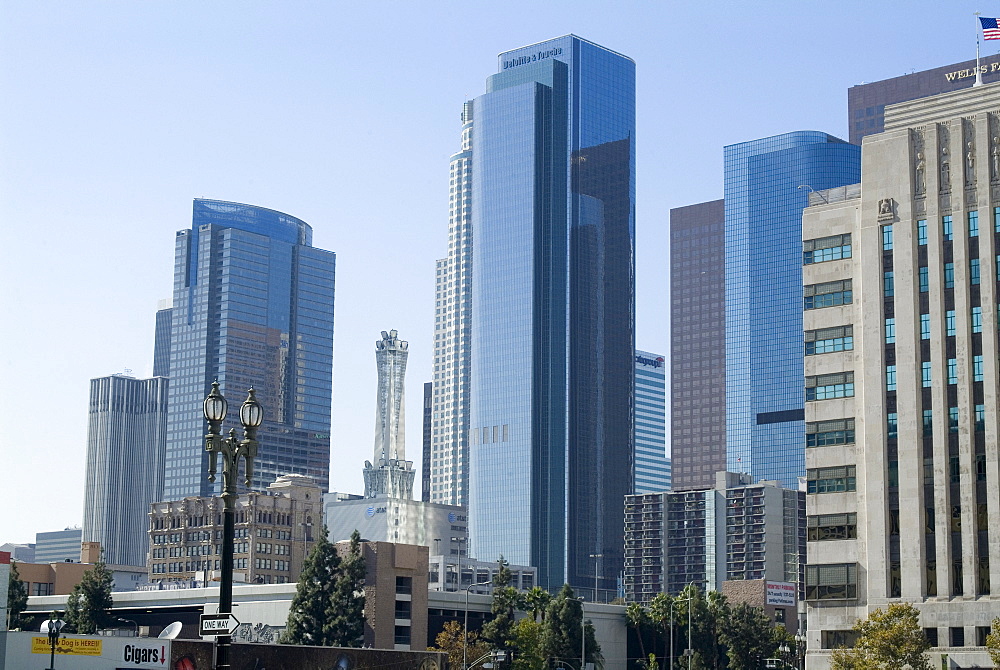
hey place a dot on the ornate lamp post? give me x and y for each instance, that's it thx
(232, 449)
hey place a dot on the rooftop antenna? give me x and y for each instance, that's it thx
(979, 76)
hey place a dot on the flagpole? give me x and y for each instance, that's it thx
(979, 76)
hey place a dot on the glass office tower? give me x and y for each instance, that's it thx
(553, 311)
(651, 465)
(253, 306)
(767, 183)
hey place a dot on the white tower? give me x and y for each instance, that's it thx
(391, 475)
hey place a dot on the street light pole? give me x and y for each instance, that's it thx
(465, 632)
(232, 449)
(596, 557)
(583, 634)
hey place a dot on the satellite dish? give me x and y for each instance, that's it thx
(171, 631)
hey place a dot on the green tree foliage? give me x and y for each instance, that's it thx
(638, 617)
(451, 640)
(561, 632)
(17, 598)
(749, 637)
(499, 631)
(993, 642)
(536, 601)
(314, 607)
(528, 640)
(889, 639)
(348, 622)
(88, 607)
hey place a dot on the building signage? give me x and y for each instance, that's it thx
(146, 655)
(217, 624)
(67, 645)
(531, 58)
(654, 362)
(372, 511)
(779, 593)
(971, 72)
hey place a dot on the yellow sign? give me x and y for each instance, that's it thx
(67, 645)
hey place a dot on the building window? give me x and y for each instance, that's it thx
(974, 271)
(977, 319)
(977, 368)
(953, 420)
(826, 387)
(888, 285)
(403, 609)
(892, 425)
(925, 326)
(957, 634)
(952, 371)
(828, 433)
(404, 585)
(836, 581)
(831, 480)
(932, 636)
(890, 330)
(980, 417)
(946, 227)
(996, 219)
(402, 635)
(887, 238)
(829, 340)
(890, 378)
(949, 275)
(973, 224)
(832, 527)
(922, 278)
(829, 294)
(823, 249)
(928, 421)
(949, 323)
(922, 231)
(925, 374)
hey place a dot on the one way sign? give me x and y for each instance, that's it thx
(218, 624)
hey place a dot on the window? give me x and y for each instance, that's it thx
(925, 374)
(831, 480)
(402, 635)
(974, 271)
(928, 418)
(922, 231)
(404, 584)
(952, 371)
(925, 326)
(887, 238)
(932, 636)
(832, 527)
(829, 340)
(829, 294)
(826, 249)
(949, 275)
(949, 323)
(977, 368)
(973, 224)
(946, 227)
(996, 219)
(835, 581)
(827, 433)
(980, 417)
(890, 378)
(977, 319)
(953, 421)
(922, 278)
(892, 425)
(890, 330)
(825, 387)
(403, 609)
(888, 285)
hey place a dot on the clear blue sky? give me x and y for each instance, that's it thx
(115, 115)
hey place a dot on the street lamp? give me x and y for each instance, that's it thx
(596, 558)
(232, 449)
(131, 622)
(465, 634)
(55, 625)
(583, 628)
(673, 601)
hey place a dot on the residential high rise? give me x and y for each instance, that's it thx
(390, 474)
(651, 464)
(252, 306)
(449, 448)
(126, 441)
(697, 345)
(901, 364)
(428, 423)
(767, 182)
(552, 335)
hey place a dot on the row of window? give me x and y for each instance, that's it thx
(826, 387)
(837, 479)
(926, 368)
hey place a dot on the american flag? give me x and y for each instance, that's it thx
(991, 31)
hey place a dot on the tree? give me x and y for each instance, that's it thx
(451, 640)
(536, 601)
(313, 608)
(17, 598)
(348, 621)
(749, 637)
(499, 631)
(993, 642)
(528, 639)
(637, 617)
(88, 606)
(889, 639)
(562, 629)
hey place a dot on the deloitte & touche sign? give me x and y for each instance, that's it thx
(531, 58)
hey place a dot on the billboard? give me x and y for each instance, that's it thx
(779, 593)
(88, 652)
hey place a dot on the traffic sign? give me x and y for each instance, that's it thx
(217, 624)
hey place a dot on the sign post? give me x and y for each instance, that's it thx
(217, 624)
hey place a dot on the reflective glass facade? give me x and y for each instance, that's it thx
(253, 305)
(765, 432)
(652, 467)
(553, 310)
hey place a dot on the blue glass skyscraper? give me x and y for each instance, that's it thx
(651, 465)
(252, 306)
(552, 341)
(767, 183)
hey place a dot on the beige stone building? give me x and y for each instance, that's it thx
(275, 531)
(901, 365)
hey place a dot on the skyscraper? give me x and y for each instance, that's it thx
(125, 450)
(902, 380)
(390, 473)
(552, 335)
(252, 306)
(651, 465)
(767, 183)
(449, 447)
